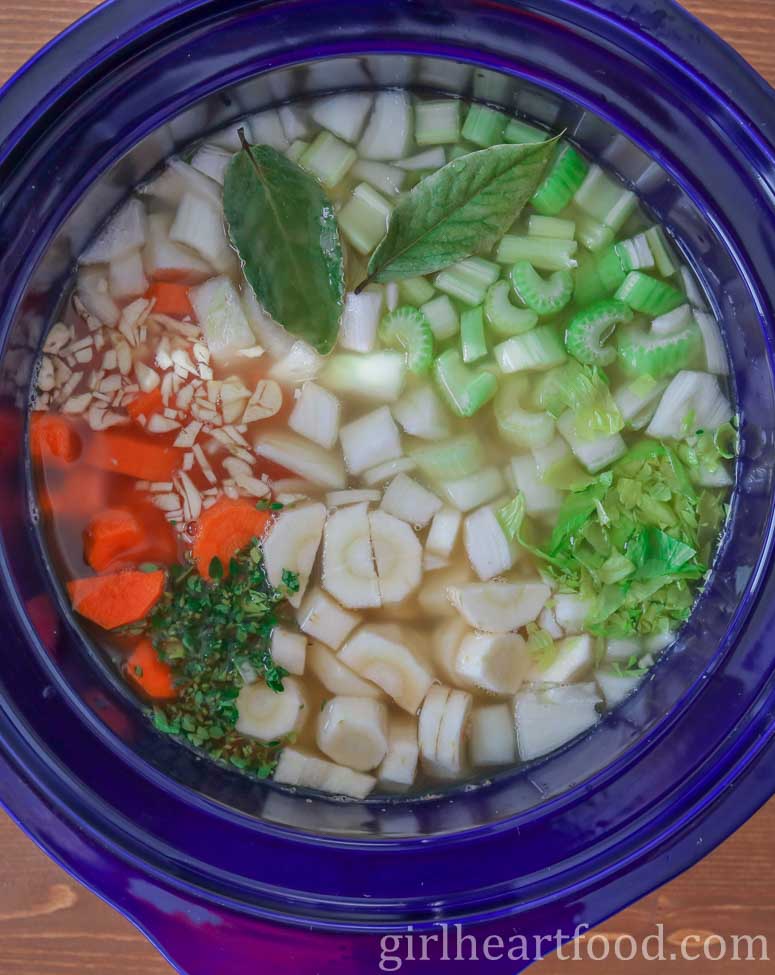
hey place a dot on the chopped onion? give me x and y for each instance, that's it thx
(124, 232)
(371, 439)
(316, 415)
(219, 312)
(715, 353)
(212, 161)
(389, 130)
(344, 114)
(126, 277)
(360, 320)
(303, 458)
(692, 397)
(404, 498)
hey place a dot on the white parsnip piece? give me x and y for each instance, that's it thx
(292, 544)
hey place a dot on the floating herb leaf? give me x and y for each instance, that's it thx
(283, 227)
(462, 208)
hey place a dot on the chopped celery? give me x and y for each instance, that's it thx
(638, 400)
(635, 253)
(425, 161)
(605, 200)
(538, 226)
(456, 151)
(442, 317)
(648, 295)
(450, 459)
(593, 454)
(517, 425)
(329, 159)
(468, 280)
(589, 283)
(593, 234)
(415, 291)
(520, 133)
(584, 391)
(465, 390)
(566, 174)
(386, 178)
(661, 251)
(543, 296)
(484, 126)
(537, 350)
(296, 150)
(674, 321)
(588, 330)
(611, 269)
(377, 376)
(437, 122)
(643, 353)
(364, 218)
(472, 341)
(544, 253)
(504, 318)
(409, 328)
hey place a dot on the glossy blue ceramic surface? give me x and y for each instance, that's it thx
(228, 875)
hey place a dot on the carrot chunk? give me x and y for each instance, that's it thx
(117, 536)
(117, 599)
(171, 299)
(134, 454)
(225, 528)
(52, 435)
(145, 404)
(149, 673)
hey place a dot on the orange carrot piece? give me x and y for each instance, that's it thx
(145, 404)
(225, 528)
(117, 599)
(52, 435)
(140, 456)
(149, 673)
(110, 535)
(171, 299)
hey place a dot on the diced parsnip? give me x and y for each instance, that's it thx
(422, 414)
(571, 611)
(267, 130)
(442, 317)
(489, 551)
(295, 123)
(292, 543)
(443, 732)
(695, 394)
(338, 499)
(198, 224)
(219, 312)
(354, 731)
(398, 555)
(434, 596)
(321, 618)
(445, 644)
(363, 220)
(549, 717)
(273, 337)
(493, 736)
(375, 653)
(212, 161)
(316, 414)
(385, 178)
(375, 376)
(344, 115)
(360, 320)
(540, 498)
(300, 769)
(371, 439)
(336, 677)
(390, 128)
(266, 715)
(92, 289)
(404, 498)
(384, 472)
(348, 573)
(498, 607)
(289, 650)
(399, 767)
(300, 364)
(444, 532)
(615, 687)
(301, 456)
(165, 260)
(494, 662)
(124, 232)
(126, 277)
(593, 454)
(574, 657)
(476, 489)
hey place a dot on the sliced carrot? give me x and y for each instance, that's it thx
(152, 675)
(117, 537)
(135, 454)
(52, 435)
(145, 404)
(117, 599)
(171, 299)
(225, 528)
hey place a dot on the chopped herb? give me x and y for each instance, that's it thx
(265, 505)
(148, 567)
(138, 671)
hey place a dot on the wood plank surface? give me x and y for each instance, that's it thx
(51, 926)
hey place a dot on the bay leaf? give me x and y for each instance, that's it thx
(462, 209)
(284, 230)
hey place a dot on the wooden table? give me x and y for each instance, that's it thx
(50, 926)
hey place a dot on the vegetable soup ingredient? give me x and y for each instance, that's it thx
(53, 436)
(224, 529)
(170, 298)
(151, 674)
(119, 535)
(135, 454)
(117, 599)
